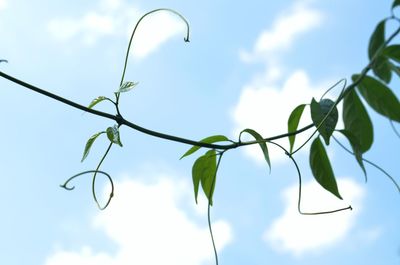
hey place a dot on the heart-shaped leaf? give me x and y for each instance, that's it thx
(325, 123)
(113, 135)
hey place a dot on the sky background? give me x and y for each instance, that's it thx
(249, 63)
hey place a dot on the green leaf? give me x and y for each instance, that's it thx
(204, 172)
(377, 39)
(357, 122)
(96, 101)
(208, 140)
(293, 123)
(318, 113)
(356, 146)
(113, 135)
(89, 144)
(379, 97)
(395, 3)
(392, 52)
(126, 86)
(381, 69)
(322, 169)
(262, 144)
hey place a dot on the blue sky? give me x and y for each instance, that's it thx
(248, 65)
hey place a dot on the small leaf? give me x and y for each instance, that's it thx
(377, 39)
(319, 111)
(355, 145)
(89, 144)
(322, 169)
(96, 101)
(113, 135)
(293, 123)
(392, 52)
(356, 121)
(126, 86)
(204, 172)
(379, 97)
(261, 142)
(208, 140)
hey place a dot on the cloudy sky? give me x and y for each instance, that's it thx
(248, 64)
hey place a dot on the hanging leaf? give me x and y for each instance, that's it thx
(204, 172)
(262, 144)
(113, 135)
(96, 101)
(208, 140)
(392, 52)
(355, 145)
(89, 144)
(377, 39)
(356, 121)
(126, 86)
(293, 123)
(319, 111)
(322, 169)
(379, 97)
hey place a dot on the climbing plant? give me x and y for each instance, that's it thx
(370, 86)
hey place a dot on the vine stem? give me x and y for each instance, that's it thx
(121, 121)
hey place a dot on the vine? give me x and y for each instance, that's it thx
(358, 130)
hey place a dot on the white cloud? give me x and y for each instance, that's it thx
(148, 225)
(299, 234)
(266, 109)
(299, 19)
(3, 4)
(266, 102)
(116, 18)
